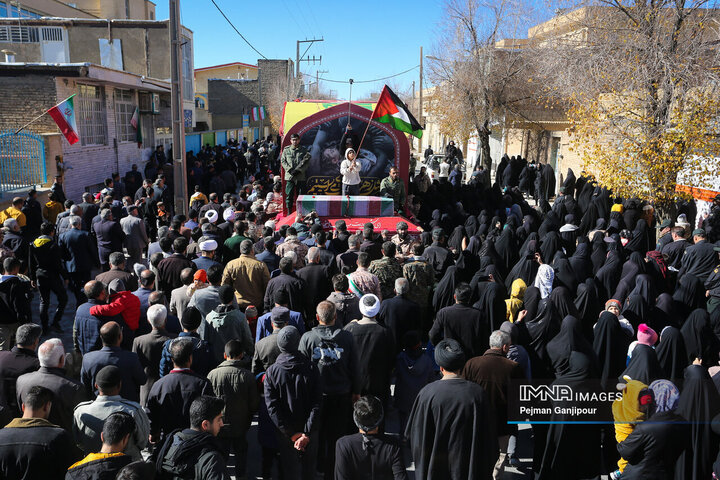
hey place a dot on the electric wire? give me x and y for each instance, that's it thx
(370, 81)
(237, 31)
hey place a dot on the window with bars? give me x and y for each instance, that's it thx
(124, 110)
(19, 34)
(91, 115)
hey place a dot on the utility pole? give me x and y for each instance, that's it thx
(317, 81)
(176, 110)
(420, 116)
(301, 58)
(260, 104)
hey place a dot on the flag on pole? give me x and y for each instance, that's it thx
(391, 110)
(134, 119)
(64, 115)
(258, 113)
(135, 122)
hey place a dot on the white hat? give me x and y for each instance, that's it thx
(270, 224)
(229, 214)
(211, 215)
(369, 305)
(208, 245)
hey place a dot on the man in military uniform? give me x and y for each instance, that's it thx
(393, 187)
(712, 285)
(295, 160)
(387, 269)
(421, 276)
(403, 242)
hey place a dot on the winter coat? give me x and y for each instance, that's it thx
(412, 373)
(237, 387)
(121, 303)
(293, 394)
(223, 324)
(333, 350)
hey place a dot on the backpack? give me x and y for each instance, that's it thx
(327, 353)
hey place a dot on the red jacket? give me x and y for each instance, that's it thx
(121, 303)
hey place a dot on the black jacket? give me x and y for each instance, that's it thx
(464, 324)
(45, 258)
(34, 448)
(293, 394)
(192, 454)
(652, 449)
(101, 469)
(170, 399)
(317, 287)
(295, 288)
(400, 315)
(15, 296)
(379, 459)
(14, 363)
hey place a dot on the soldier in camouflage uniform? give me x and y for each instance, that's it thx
(403, 242)
(295, 160)
(393, 187)
(421, 276)
(387, 269)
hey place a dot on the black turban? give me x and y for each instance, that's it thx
(449, 355)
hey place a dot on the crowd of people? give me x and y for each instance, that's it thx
(189, 328)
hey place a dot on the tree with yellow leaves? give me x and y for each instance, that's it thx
(638, 80)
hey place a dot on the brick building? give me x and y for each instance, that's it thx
(105, 100)
(230, 99)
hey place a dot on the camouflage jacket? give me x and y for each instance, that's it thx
(295, 162)
(422, 278)
(387, 270)
(395, 189)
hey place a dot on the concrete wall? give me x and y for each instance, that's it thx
(234, 72)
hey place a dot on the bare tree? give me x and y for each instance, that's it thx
(477, 83)
(639, 81)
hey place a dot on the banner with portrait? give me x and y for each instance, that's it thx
(322, 133)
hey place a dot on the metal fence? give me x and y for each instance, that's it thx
(22, 160)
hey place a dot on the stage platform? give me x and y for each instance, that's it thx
(360, 210)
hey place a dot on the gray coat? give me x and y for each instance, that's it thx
(135, 235)
(67, 393)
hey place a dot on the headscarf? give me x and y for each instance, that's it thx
(644, 365)
(663, 313)
(610, 345)
(562, 300)
(636, 310)
(608, 275)
(531, 301)
(672, 354)
(569, 339)
(689, 295)
(666, 395)
(492, 304)
(581, 263)
(550, 244)
(515, 303)
(700, 342)
(544, 280)
(699, 403)
(588, 305)
(657, 258)
(564, 274)
(599, 251)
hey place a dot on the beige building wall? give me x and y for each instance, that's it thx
(121, 9)
(55, 8)
(231, 71)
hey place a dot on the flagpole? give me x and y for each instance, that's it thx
(31, 121)
(368, 125)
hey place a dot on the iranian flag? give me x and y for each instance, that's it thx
(391, 110)
(258, 113)
(64, 115)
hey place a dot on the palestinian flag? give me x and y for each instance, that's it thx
(391, 110)
(135, 122)
(64, 115)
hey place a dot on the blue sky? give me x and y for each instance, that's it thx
(364, 39)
